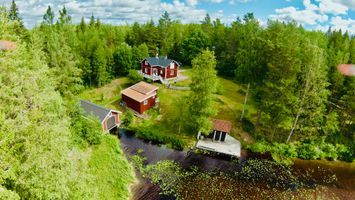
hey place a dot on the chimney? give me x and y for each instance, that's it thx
(157, 55)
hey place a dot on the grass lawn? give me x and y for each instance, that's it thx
(108, 95)
(228, 103)
(111, 171)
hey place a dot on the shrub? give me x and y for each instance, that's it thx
(309, 151)
(128, 118)
(344, 153)
(152, 133)
(329, 151)
(85, 129)
(260, 147)
(134, 76)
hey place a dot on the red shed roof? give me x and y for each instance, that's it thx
(7, 45)
(347, 69)
(222, 125)
(140, 91)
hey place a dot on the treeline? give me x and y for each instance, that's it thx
(47, 149)
(291, 72)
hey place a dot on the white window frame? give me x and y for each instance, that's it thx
(172, 73)
(145, 102)
(145, 70)
(172, 66)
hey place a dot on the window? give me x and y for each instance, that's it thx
(153, 97)
(172, 65)
(161, 71)
(145, 70)
(172, 72)
(145, 62)
(145, 102)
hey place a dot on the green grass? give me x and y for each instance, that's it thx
(111, 171)
(228, 103)
(108, 95)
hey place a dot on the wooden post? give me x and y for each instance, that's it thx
(214, 134)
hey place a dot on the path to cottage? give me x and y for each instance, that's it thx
(178, 79)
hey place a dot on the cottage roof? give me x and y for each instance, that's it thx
(7, 45)
(347, 69)
(160, 61)
(222, 125)
(140, 91)
(93, 109)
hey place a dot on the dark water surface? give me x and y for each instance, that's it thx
(345, 172)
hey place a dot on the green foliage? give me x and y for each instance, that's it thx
(165, 173)
(112, 173)
(39, 159)
(128, 118)
(203, 86)
(194, 44)
(310, 149)
(34, 127)
(48, 17)
(149, 132)
(13, 13)
(123, 59)
(134, 76)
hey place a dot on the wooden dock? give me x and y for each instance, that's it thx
(230, 146)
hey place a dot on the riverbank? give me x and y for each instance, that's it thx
(320, 179)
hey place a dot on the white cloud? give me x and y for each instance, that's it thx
(192, 2)
(344, 24)
(349, 3)
(318, 13)
(302, 16)
(332, 7)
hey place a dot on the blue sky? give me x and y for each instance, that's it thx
(312, 14)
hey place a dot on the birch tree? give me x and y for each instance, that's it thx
(203, 86)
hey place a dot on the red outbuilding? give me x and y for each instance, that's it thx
(109, 118)
(140, 97)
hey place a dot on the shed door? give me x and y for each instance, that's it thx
(218, 133)
(111, 122)
(223, 137)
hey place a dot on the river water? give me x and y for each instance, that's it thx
(343, 188)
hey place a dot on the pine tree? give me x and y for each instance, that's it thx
(92, 21)
(48, 17)
(13, 13)
(82, 25)
(64, 18)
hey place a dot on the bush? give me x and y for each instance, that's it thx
(128, 118)
(260, 147)
(344, 153)
(85, 129)
(309, 151)
(134, 76)
(152, 133)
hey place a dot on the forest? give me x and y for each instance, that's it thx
(48, 151)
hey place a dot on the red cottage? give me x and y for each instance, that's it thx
(7, 45)
(140, 97)
(159, 68)
(109, 118)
